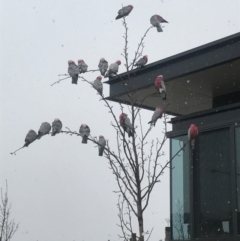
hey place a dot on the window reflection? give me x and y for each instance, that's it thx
(212, 185)
(180, 215)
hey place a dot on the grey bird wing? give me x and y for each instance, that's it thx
(104, 68)
(128, 123)
(123, 12)
(98, 86)
(84, 131)
(140, 62)
(154, 20)
(30, 137)
(84, 67)
(73, 70)
(56, 127)
(45, 128)
(113, 68)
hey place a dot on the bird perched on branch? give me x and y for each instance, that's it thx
(156, 115)
(82, 66)
(56, 127)
(161, 87)
(101, 145)
(103, 66)
(126, 124)
(156, 21)
(141, 62)
(30, 137)
(97, 84)
(44, 129)
(192, 134)
(113, 69)
(124, 11)
(84, 133)
(73, 71)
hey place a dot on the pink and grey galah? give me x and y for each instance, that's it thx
(101, 145)
(192, 134)
(161, 87)
(82, 66)
(126, 124)
(113, 69)
(30, 137)
(73, 71)
(44, 129)
(84, 133)
(156, 115)
(124, 11)
(56, 127)
(141, 62)
(103, 66)
(97, 84)
(156, 21)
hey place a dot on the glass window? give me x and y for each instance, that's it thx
(212, 185)
(180, 201)
(237, 141)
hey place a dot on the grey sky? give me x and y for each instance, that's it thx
(60, 189)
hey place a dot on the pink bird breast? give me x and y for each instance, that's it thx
(158, 82)
(99, 78)
(193, 131)
(145, 56)
(131, 6)
(118, 62)
(101, 137)
(80, 61)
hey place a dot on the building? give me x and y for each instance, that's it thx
(203, 87)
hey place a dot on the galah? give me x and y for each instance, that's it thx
(156, 21)
(82, 66)
(30, 137)
(84, 132)
(97, 84)
(103, 66)
(101, 145)
(113, 69)
(156, 115)
(73, 71)
(56, 127)
(44, 129)
(192, 134)
(124, 11)
(161, 87)
(126, 124)
(141, 62)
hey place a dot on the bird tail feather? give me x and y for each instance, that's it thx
(84, 139)
(100, 152)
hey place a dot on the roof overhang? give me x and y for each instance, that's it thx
(194, 79)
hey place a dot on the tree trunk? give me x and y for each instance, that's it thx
(140, 222)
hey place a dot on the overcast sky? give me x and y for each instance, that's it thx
(60, 189)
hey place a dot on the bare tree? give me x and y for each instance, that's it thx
(8, 227)
(179, 221)
(137, 162)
